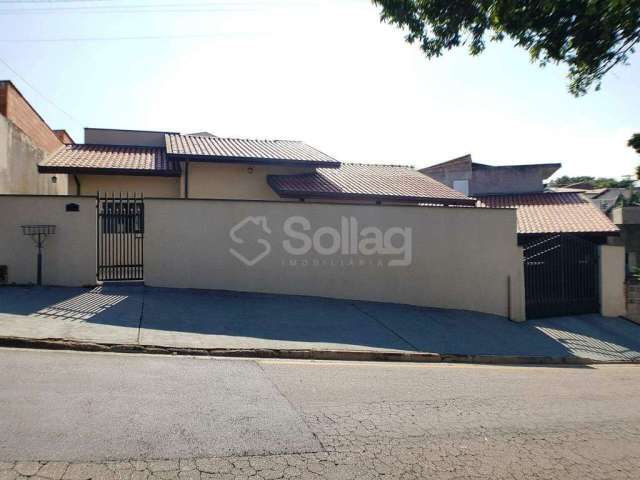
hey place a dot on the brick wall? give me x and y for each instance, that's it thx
(14, 106)
(64, 137)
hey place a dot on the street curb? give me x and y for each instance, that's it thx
(300, 354)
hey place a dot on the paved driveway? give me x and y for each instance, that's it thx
(217, 319)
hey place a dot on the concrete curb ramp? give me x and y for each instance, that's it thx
(304, 354)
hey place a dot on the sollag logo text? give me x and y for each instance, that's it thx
(302, 239)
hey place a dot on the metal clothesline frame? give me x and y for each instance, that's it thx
(38, 234)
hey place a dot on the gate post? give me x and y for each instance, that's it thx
(612, 273)
(517, 293)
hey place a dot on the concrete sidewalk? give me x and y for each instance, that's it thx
(217, 320)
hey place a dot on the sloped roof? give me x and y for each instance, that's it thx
(609, 198)
(552, 212)
(351, 181)
(565, 190)
(463, 163)
(611, 193)
(218, 149)
(594, 192)
(466, 164)
(110, 159)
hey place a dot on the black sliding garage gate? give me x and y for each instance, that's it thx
(561, 275)
(120, 237)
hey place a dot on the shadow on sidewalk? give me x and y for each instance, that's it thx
(221, 319)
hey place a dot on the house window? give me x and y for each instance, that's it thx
(461, 186)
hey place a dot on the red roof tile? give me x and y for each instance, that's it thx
(350, 180)
(211, 148)
(110, 159)
(553, 212)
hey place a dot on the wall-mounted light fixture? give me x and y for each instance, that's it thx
(54, 179)
(250, 170)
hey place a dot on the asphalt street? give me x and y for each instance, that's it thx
(86, 415)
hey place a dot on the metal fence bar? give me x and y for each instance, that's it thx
(561, 276)
(128, 256)
(119, 248)
(120, 232)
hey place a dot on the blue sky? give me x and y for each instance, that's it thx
(322, 71)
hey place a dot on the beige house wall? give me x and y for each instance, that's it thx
(461, 257)
(206, 181)
(163, 187)
(612, 273)
(69, 256)
(235, 181)
(19, 158)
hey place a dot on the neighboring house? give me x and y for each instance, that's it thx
(580, 186)
(540, 211)
(474, 179)
(607, 198)
(25, 141)
(172, 165)
(559, 231)
(617, 204)
(627, 218)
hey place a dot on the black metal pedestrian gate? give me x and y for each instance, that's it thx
(561, 276)
(120, 237)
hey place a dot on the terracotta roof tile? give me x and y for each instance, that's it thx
(552, 212)
(360, 181)
(245, 150)
(110, 159)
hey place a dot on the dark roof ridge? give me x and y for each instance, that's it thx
(113, 145)
(218, 149)
(131, 130)
(412, 167)
(520, 165)
(218, 137)
(442, 164)
(374, 182)
(535, 192)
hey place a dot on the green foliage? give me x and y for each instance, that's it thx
(601, 182)
(634, 142)
(633, 200)
(635, 274)
(590, 36)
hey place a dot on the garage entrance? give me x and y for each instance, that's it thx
(561, 276)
